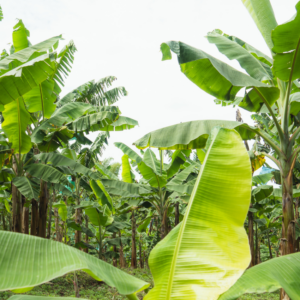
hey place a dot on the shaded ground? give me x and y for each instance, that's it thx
(94, 290)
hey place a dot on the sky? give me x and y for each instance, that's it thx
(122, 38)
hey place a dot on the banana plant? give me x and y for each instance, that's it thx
(270, 87)
(22, 252)
(155, 179)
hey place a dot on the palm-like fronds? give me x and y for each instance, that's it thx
(98, 145)
(64, 64)
(1, 14)
(95, 93)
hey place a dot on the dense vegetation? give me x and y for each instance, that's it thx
(198, 211)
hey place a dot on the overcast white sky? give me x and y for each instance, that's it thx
(122, 38)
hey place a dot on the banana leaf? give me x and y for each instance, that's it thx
(208, 251)
(280, 272)
(36, 261)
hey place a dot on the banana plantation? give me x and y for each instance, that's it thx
(199, 210)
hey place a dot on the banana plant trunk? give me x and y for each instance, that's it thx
(16, 200)
(34, 218)
(59, 234)
(42, 227)
(115, 261)
(122, 259)
(251, 237)
(176, 213)
(25, 225)
(141, 255)
(288, 220)
(133, 243)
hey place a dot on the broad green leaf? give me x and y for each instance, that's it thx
(62, 210)
(182, 176)
(183, 189)
(93, 122)
(143, 227)
(277, 193)
(57, 160)
(22, 79)
(262, 14)
(27, 187)
(178, 159)
(191, 262)
(286, 39)
(262, 179)
(121, 187)
(295, 103)
(29, 54)
(24, 255)
(62, 115)
(104, 171)
(219, 79)
(16, 120)
(126, 150)
(233, 50)
(201, 155)
(126, 169)
(189, 135)
(97, 218)
(122, 123)
(101, 194)
(262, 192)
(152, 162)
(151, 177)
(46, 173)
(20, 36)
(41, 98)
(269, 276)
(29, 297)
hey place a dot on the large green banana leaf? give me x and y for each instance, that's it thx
(46, 173)
(178, 159)
(190, 135)
(208, 251)
(106, 172)
(126, 169)
(122, 123)
(62, 210)
(93, 122)
(36, 261)
(20, 80)
(26, 55)
(219, 79)
(233, 50)
(57, 160)
(27, 187)
(20, 36)
(16, 120)
(41, 98)
(101, 194)
(262, 14)
(29, 297)
(121, 187)
(150, 170)
(281, 272)
(262, 192)
(62, 115)
(127, 150)
(286, 39)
